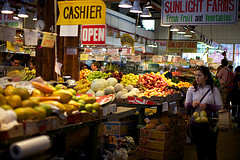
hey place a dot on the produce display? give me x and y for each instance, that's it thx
(97, 75)
(84, 73)
(117, 75)
(163, 123)
(26, 74)
(82, 86)
(130, 79)
(152, 80)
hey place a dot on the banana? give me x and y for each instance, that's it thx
(55, 103)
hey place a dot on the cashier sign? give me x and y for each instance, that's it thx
(81, 12)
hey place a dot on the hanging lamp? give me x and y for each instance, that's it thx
(118, 35)
(149, 4)
(182, 30)
(188, 34)
(145, 13)
(23, 13)
(110, 32)
(6, 8)
(174, 29)
(35, 17)
(125, 4)
(136, 7)
(150, 44)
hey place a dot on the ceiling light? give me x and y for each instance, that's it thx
(35, 17)
(146, 13)
(150, 44)
(136, 7)
(149, 4)
(174, 29)
(192, 31)
(7, 9)
(188, 34)
(23, 13)
(118, 35)
(125, 4)
(15, 17)
(182, 30)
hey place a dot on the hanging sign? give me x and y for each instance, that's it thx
(7, 34)
(199, 12)
(200, 62)
(113, 52)
(182, 47)
(176, 59)
(48, 40)
(96, 51)
(100, 58)
(31, 37)
(157, 58)
(116, 58)
(136, 58)
(93, 34)
(83, 57)
(7, 19)
(10, 46)
(72, 51)
(127, 39)
(81, 12)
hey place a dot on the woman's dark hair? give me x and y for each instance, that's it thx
(224, 62)
(97, 64)
(237, 69)
(207, 73)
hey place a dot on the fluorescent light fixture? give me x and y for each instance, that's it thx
(125, 4)
(35, 17)
(182, 30)
(174, 29)
(145, 13)
(6, 8)
(23, 13)
(136, 7)
(188, 34)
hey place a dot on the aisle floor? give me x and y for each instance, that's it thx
(228, 147)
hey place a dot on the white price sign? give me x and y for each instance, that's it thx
(113, 52)
(116, 58)
(30, 37)
(136, 58)
(157, 59)
(100, 58)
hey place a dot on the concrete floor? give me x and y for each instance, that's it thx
(228, 147)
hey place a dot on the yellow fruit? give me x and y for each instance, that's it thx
(83, 111)
(94, 111)
(55, 103)
(65, 95)
(195, 114)
(203, 114)
(22, 92)
(69, 108)
(14, 101)
(29, 113)
(1, 90)
(8, 90)
(6, 107)
(37, 93)
(88, 107)
(96, 106)
(40, 112)
(198, 120)
(48, 109)
(72, 91)
(27, 103)
(2, 100)
(204, 119)
(34, 100)
(89, 99)
(83, 96)
(20, 112)
(75, 104)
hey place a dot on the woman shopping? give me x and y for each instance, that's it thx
(203, 95)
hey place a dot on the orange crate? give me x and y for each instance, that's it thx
(154, 134)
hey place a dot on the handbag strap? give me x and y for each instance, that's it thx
(204, 95)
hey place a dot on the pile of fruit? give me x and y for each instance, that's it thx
(84, 73)
(184, 84)
(200, 118)
(163, 123)
(117, 75)
(159, 92)
(27, 74)
(152, 80)
(97, 75)
(130, 79)
(82, 86)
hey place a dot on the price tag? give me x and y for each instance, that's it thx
(116, 58)
(33, 53)
(124, 51)
(96, 51)
(71, 51)
(48, 40)
(84, 57)
(136, 58)
(100, 58)
(155, 59)
(169, 58)
(200, 62)
(7, 34)
(30, 37)
(113, 52)
(176, 59)
(183, 61)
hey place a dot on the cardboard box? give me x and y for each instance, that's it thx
(79, 117)
(14, 132)
(36, 126)
(156, 144)
(58, 122)
(119, 129)
(154, 154)
(154, 134)
(111, 108)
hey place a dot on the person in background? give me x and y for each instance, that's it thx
(95, 66)
(32, 64)
(85, 66)
(236, 92)
(230, 67)
(222, 74)
(204, 136)
(15, 60)
(169, 73)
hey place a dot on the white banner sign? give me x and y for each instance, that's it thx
(199, 12)
(100, 58)
(113, 52)
(31, 37)
(7, 34)
(116, 58)
(157, 59)
(136, 58)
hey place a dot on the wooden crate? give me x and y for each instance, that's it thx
(154, 134)
(14, 132)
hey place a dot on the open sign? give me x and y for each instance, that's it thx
(93, 34)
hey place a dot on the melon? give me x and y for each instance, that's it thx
(129, 87)
(109, 90)
(118, 87)
(100, 93)
(112, 81)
